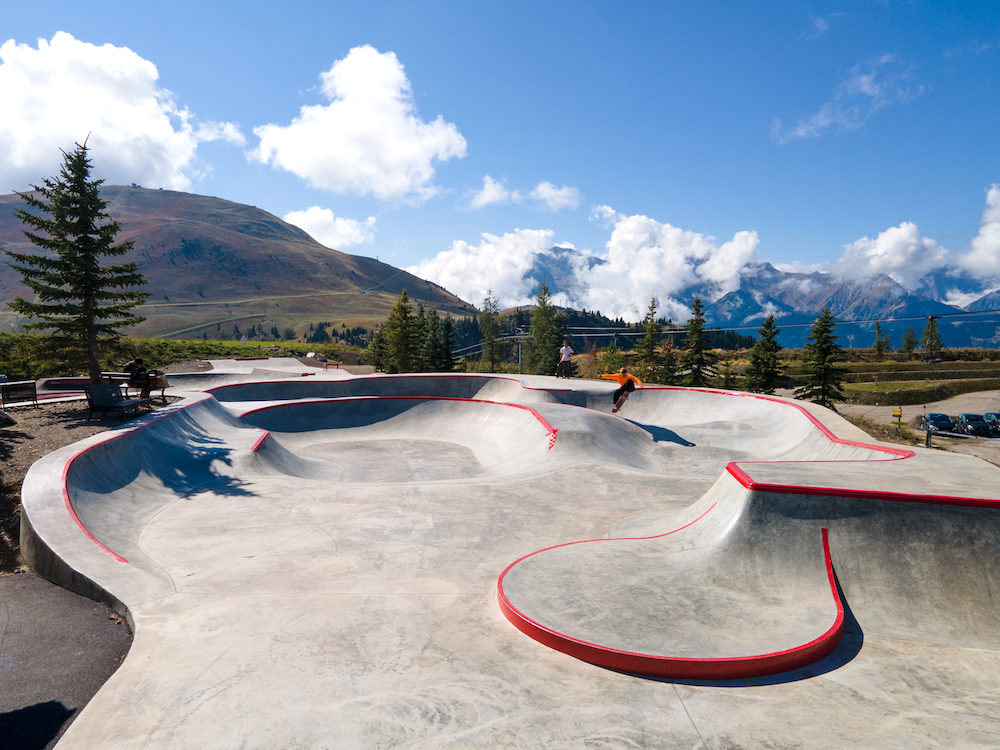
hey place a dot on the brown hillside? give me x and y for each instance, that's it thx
(210, 262)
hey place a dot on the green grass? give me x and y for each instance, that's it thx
(892, 386)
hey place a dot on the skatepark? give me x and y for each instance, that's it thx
(313, 559)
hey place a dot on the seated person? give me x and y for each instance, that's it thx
(139, 376)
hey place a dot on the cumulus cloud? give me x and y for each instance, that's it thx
(497, 263)
(493, 192)
(333, 231)
(556, 198)
(902, 253)
(983, 260)
(644, 259)
(53, 96)
(369, 139)
(870, 87)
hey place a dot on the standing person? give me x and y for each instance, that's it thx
(565, 366)
(628, 383)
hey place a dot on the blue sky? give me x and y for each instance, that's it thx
(680, 139)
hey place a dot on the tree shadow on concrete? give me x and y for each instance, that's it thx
(35, 727)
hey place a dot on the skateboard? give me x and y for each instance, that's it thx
(620, 401)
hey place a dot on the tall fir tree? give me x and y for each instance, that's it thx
(446, 362)
(82, 302)
(489, 327)
(931, 342)
(696, 360)
(377, 354)
(823, 378)
(764, 372)
(909, 344)
(650, 364)
(881, 346)
(546, 334)
(400, 337)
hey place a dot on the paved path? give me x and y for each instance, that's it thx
(431, 561)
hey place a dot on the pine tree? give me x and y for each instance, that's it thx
(489, 326)
(823, 378)
(909, 342)
(881, 345)
(650, 363)
(546, 335)
(399, 337)
(421, 332)
(764, 372)
(611, 359)
(931, 341)
(695, 359)
(378, 350)
(82, 302)
(446, 362)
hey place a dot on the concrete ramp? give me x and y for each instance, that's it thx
(441, 561)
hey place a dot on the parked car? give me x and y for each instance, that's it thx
(973, 424)
(993, 418)
(937, 423)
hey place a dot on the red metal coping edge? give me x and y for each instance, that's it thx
(110, 439)
(650, 665)
(551, 431)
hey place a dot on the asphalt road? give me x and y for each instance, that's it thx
(57, 649)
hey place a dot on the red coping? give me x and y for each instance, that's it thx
(115, 436)
(650, 665)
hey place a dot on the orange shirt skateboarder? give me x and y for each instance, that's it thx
(628, 383)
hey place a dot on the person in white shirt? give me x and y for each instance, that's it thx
(565, 366)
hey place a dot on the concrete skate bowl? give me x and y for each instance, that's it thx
(739, 583)
(744, 583)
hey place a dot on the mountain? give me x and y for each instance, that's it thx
(212, 264)
(795, 299)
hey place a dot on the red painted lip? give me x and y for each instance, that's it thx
(651, 665)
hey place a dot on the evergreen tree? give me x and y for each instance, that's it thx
(695, 359)
(430, 348)
(446, 362)
(909, 342)
(421, 334)
(81, 301)
(378, 351)
(489, 326)
(611, 359)
(764, 372)
(931, 342)
(546, 335)
(399, 337)
(823, 378)
(650, 363)
(668, 363)
(881, 345)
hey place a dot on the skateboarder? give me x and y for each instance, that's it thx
(628, 383)
(565, 367)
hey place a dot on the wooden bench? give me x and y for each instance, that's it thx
(104, 397)
(156, 382)
(18, 391)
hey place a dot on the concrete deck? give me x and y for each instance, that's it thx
(435, 561)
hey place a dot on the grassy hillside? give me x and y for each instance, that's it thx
(212, 264)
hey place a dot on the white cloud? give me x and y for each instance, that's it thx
(493, 192)
(819, 25)
(53, 96)
(799, 267)
(644, 259)
(333, 231)
(960, 299)
(369, 139)
(498, 263)
(606, 215)
(556, 198)
(870, 87)
(902, 253)
(648, 259)
(983, 260)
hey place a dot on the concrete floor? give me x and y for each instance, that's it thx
(314, 563)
